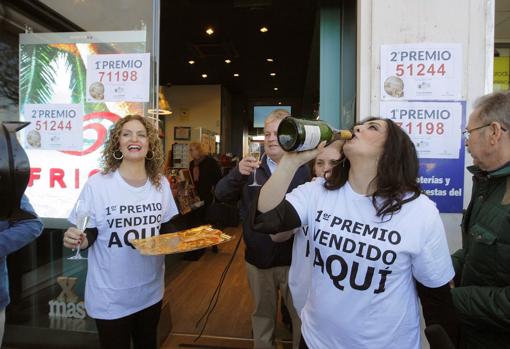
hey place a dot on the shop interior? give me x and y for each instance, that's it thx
(222, 67)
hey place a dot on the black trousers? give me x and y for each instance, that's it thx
(141, 327)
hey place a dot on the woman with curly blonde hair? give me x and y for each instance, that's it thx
(128, 200)
(112, 157)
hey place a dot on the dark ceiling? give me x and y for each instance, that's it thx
(237, 37)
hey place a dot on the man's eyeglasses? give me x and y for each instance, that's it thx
(467, 133)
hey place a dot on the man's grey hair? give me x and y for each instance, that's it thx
(277, 114)
(494, 107)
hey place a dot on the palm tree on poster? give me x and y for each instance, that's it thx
(54, 73)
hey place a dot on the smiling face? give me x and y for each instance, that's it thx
(368, 141)
(133, 141)
(271, 146)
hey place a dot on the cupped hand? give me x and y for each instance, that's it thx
(338, 145)
(302, 157)
(247, 165)
(73, 237)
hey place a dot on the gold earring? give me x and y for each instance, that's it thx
(118, 157)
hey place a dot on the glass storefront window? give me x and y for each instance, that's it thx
(45, 48)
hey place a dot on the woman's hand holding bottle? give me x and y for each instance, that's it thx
(296, 159)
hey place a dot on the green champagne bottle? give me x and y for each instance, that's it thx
(303, 134)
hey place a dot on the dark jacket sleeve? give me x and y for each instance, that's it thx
(438, 309)
(230, 187)
(215, 171)
(168, 227)
(281, 218)
(21, 232)
(91, 234)
(458, 264)
(483, 306)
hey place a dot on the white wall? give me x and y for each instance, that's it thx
(468, 22)
(193, 106)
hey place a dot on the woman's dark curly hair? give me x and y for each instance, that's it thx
(152, 165)
(397, 172)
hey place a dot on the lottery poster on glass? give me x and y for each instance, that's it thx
(421, 72)
(53, 126)
(118, 77)
(66, 135)
(435, 129)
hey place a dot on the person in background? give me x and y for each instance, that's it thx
(14, 234)
(481, 295)
(205, 173)
(376, 244)
(267, 262)
(324, 163)
(129, 199)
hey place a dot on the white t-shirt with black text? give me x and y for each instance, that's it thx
(120, 281)
(362, 292)
(300, 271)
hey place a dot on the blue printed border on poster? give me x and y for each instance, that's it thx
(435, 126)
(446, 176)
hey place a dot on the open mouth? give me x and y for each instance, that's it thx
(134, 147)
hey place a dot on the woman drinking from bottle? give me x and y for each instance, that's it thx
(376, 242)
(128, 200)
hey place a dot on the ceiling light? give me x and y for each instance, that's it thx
(163, 100)
(276, 88)
(228, 61)
(269, 60)
(209, 31)
(236, 75)
(191, 61)
(159, 112)
(264, 30)
(273, 74)
(204, 75)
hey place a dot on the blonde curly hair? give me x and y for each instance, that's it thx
(152, 165)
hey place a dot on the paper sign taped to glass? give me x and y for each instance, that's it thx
(181, 241)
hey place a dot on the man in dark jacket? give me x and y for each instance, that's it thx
(267, 262)
(482, 283)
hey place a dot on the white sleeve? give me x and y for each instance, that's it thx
(170, 208)
(86, 195)
(301, 198)
(432, 266)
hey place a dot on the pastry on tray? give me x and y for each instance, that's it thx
(181, 241)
